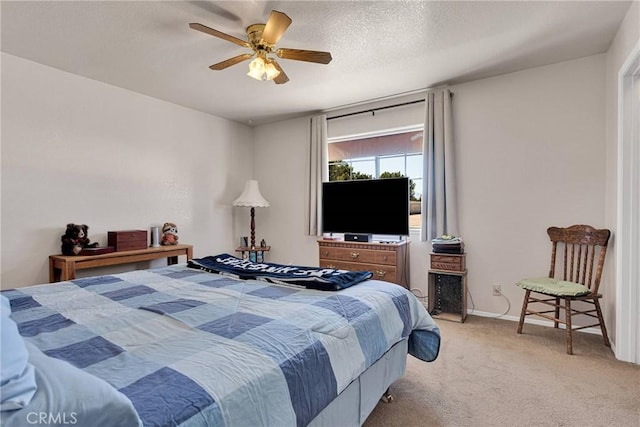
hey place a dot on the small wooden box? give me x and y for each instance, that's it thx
(127, 240)
(448, 262)
(97, 251)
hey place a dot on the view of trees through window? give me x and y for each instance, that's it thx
(386, 156)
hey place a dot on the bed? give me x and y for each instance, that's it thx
(179, 345)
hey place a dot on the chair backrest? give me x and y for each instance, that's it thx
(577, 247)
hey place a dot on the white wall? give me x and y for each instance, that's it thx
(280, 151)
(77, 150)
(531, 155)
(530, 150)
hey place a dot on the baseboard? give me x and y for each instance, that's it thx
(548, 323)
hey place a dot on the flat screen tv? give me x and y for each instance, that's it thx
(371, 206)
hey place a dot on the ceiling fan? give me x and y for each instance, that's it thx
(262, 39)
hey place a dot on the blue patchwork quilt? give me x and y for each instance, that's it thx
(187, 347)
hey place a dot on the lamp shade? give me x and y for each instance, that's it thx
(257, 69)
(251, 196)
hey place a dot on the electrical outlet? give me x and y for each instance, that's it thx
(497, 290)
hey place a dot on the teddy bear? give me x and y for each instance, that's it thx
(76, 238)
(169, 234)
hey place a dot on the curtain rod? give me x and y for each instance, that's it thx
(373, 110)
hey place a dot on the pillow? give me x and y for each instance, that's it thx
(17, 376)
(68, 396)
(551, 286)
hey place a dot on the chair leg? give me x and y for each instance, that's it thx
(524, 310)
(557, 313)
(601, 319)
(567, 312)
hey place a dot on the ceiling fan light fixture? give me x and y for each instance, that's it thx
(257, 69)
(263, 68)
(262, 38)
(270, 70)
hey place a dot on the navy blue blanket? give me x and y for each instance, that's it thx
(324, 279)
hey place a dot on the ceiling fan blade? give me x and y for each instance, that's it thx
(231, 61)
(216, 33)
(277, 24)
(282, 77)
(305, 55)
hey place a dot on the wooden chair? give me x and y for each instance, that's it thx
(577, 248)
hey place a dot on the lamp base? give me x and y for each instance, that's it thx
(253, 228)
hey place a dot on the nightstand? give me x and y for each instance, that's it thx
(447, 282)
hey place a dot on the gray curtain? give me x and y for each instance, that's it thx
(439, 207)
(317, 173)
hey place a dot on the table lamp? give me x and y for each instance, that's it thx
(252, 198)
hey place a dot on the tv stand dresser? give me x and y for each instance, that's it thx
(387, 261)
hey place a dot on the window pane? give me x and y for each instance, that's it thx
(364, 167)
(392, 164)
(417, 188)
(415, 221)
(403, 142)
(414, 166)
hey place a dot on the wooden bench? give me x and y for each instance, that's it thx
(64, 267)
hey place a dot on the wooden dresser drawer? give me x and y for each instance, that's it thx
(380, 272)
(358, 255)
(387, 261)
(448, 262)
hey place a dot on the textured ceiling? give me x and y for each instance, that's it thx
(379, 48)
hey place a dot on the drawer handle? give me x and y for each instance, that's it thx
(326, 253)
(384, 258)
(331, 266)
(354, 255)
(381, 273)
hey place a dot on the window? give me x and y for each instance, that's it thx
(386, 154)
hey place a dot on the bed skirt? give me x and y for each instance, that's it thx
(357, 401)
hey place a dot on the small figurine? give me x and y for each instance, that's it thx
(169, 234)
(75, 239)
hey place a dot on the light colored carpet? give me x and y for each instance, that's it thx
(488, 375)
